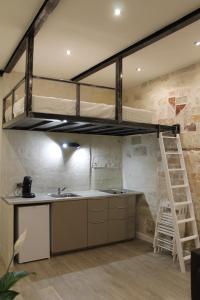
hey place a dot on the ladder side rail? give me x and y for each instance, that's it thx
(188, 192)
(171, 198)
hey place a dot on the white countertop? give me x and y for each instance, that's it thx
(45, 198)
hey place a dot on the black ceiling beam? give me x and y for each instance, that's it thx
(147, 41)
(42, 15)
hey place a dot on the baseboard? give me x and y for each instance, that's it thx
(144, 237)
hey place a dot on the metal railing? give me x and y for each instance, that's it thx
(5, 99)
(27, 109)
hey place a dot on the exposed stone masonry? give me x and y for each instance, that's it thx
(175, 98)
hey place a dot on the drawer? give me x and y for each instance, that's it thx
(97, 233)
(118, 202)
(118, 213)
(117, 230)
(99, 215)
(97, 205)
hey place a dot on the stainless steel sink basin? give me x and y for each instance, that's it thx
(114, 192)
(63, 195)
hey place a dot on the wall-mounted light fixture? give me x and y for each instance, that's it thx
(197, 43)
(70, 145)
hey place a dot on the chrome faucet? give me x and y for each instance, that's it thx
(60, 190)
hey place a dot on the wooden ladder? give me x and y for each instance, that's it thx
(180, 240)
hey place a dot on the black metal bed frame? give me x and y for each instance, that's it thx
(30, 120)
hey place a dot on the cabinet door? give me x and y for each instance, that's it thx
(117, 230)
(97, 222)
(97, 233)
(118, 219)
(68, 225)
(131, 228)
(131, 216)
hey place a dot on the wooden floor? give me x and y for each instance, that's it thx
(119, 272)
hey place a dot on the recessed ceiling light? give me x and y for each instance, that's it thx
(197, 43)
(64, 121)
(68, 52)
(117, 12)
(138, 69)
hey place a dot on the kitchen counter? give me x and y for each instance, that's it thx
(114, 218)
(45, 198)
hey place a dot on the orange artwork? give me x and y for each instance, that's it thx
(179, 108)
(172, 102)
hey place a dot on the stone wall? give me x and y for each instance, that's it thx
(175, 98)
(141, 165)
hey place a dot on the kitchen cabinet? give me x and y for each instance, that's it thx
(34, 219)
(68, 225)
(83, 223)
(111, 220)
(118, 219)
(97, 222)
(121, 218)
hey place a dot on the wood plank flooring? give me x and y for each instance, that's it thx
(119, 272)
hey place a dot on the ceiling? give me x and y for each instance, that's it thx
(169, 54)
(15, 17)
(91, 31)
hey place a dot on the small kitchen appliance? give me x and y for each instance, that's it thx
(26, 188)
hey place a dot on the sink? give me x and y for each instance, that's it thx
(63, 195)
(114, 192)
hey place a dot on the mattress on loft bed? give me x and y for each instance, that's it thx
(51, 105)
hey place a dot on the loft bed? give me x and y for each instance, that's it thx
(35, 112)
(55, 114)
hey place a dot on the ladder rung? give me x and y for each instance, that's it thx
(167, 213)
(173, 152)
(166, 233)
(163, 224)
(165, 228)
(169, 137)
(188, 257)
(182, 203)
(165, 247)
(185, 220)
(165, 217)
(189, 238)
(170, 243)
(179, 186)
(178, 169)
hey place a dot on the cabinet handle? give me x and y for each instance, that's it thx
(120, 218)
(97, 222)
(96, 209)
(122, 207)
